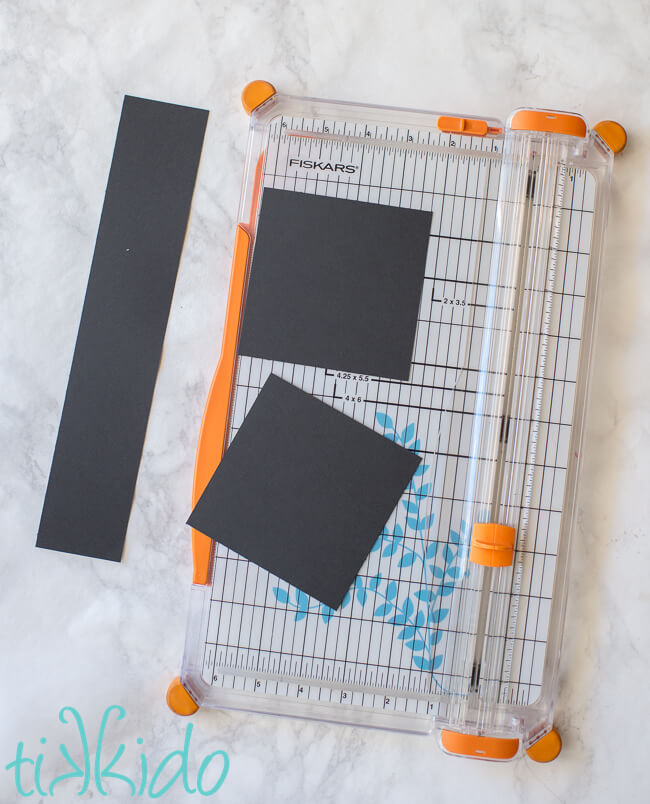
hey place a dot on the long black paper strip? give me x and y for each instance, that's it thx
(117, 354)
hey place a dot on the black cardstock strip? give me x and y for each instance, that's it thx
(335, 283)
(304, 491)
(119, 343)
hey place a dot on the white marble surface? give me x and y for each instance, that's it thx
(88, 634)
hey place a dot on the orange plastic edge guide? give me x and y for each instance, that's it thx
(546, 748)
(492, 544)
(549, 122)
(467, 126)
(215, 416)
(472, 745)
(213, 426)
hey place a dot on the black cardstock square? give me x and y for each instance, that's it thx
(304, 491)
(335, 283)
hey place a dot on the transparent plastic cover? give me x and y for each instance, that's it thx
(494, 405)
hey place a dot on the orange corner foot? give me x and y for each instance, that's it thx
(255, 93)
(613, 133)
(547, 748)
(179, 700)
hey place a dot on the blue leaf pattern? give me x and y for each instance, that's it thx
(418, 616)
(385, 421)
(408, 433)
(390, 550)
(373, 583)
(407, 633)
(407, 607)
(281, 595)
(415, 645)
(406, 560)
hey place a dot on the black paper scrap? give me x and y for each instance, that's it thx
(335, 283)
(304, 491)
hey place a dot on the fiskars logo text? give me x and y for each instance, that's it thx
(336, 167)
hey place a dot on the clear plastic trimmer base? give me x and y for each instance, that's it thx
(455, 621)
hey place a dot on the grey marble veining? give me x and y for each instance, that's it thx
(90, 634)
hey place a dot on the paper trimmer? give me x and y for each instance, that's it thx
(454, 623)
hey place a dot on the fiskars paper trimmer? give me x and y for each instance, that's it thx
(455, 620)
